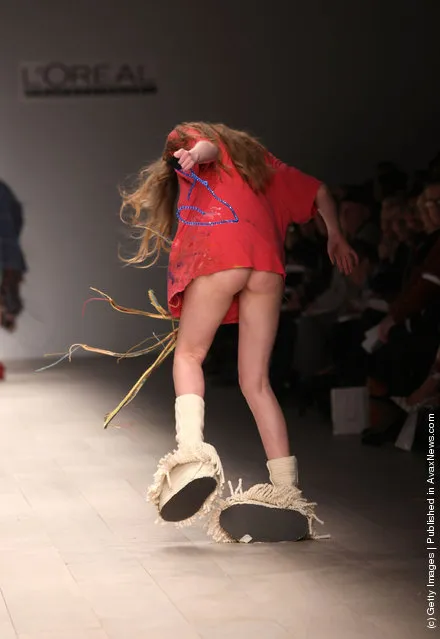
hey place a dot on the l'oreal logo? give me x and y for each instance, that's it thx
(59, 79)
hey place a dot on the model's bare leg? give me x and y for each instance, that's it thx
(188, 479)
(260, 303)
(206, 302)
(275, 511)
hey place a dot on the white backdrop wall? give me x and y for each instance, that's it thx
(331, 87)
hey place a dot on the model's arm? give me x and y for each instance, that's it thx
(328, 210)
(202, 153)
(339, 250)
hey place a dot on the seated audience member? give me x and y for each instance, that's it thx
(422, 242)
(354, 319)
(343, 299)
(412, 216)
(422, 231)
(429, 391)
(306, 247)
(410, 333)
(424, 282)
(398, 370)
(356, 218)
(347, 358)
(311, 253)
(404, 379)
(428, 225)
(395, 248)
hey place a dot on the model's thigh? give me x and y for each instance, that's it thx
(260, 304)
(206, 301)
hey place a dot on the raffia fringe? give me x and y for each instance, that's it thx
(203, 453)
(166, 344)
(285, 497)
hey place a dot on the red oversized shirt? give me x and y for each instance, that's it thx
(249, 229)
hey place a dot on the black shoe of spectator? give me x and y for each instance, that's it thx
(374, 437)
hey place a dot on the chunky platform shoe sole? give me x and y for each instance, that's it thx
(188, 500)
(253, 523)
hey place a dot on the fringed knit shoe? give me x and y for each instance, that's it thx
(270, 513)
(189, 479)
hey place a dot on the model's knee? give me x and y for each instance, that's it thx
(253, 386)
(193, 356)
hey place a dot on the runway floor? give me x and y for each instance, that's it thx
(82, 558)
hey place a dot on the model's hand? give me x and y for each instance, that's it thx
(341, 253)
(187, 159)
(384, 328)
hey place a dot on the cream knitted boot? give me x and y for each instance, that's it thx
(187, 480)
(272, 512)
(283, 471)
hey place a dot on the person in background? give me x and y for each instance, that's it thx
(424, 283)
(429, 390)
(309, 272)
(412, 215)
(395, 248)
(355, 214)
(410, 332)
(12, 263)
(322, 303)
(342, 341)
(428, 225)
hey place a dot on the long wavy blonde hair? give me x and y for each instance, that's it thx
(149, 207)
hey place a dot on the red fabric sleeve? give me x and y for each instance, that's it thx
(294, 192)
